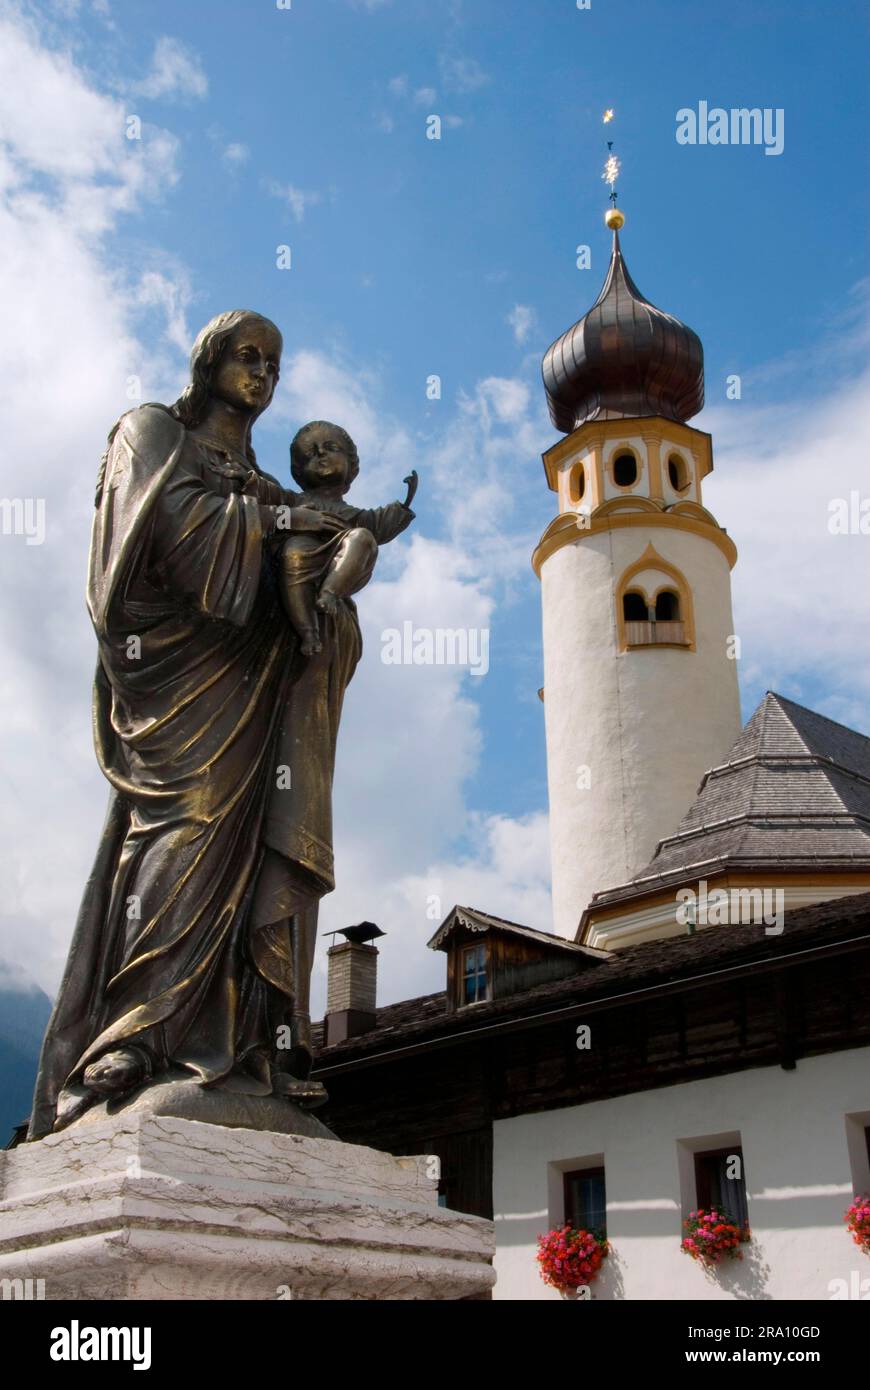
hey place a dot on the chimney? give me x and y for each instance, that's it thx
(352, 983)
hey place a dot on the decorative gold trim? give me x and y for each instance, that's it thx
(568, 527)
(690, 508)
(653, 445)
(594, 435)
(628, 504)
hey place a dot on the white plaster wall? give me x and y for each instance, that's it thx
(648, 723)
(798, 1177)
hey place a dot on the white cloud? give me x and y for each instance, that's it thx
(66, 175)
(462, 74)
(398, 86)
(176, 72)
(522, 320)
(507, 398)
(57, 125)
(800, 592)
(170, 293)
(297, 199)
(425, 96)
(410, 740)
(236, 153)
(15, 979)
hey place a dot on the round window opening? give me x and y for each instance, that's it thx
(625, 470)
(678, 473)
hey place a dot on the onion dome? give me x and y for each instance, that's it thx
(624, 358)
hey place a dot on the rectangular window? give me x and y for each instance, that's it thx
(586, 1200)
(720, 1182)
(858, 1144)
(475, 985)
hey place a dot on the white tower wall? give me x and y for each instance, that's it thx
(647, 722)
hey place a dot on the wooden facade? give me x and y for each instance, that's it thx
(733, 1000)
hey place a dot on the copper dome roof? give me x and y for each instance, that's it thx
(624, 357)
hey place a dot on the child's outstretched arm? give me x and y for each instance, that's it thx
(412, 480)
(385, 523)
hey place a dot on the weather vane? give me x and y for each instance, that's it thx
(613, 217)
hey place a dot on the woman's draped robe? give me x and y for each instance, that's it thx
(199, 690)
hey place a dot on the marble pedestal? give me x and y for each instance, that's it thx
(139, 1205)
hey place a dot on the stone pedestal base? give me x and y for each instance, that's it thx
(145, 1206)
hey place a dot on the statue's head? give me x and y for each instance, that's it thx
(323, 455)
(236, 358)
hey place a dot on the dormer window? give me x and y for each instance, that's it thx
(475, 975)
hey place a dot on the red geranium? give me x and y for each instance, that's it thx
(858, 1222)
(711, 1236)
(570, 1259)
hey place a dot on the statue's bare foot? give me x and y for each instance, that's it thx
(115, 1071)
(310, 641)
(306, 1094)
(327, 602)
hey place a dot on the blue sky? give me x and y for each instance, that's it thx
(417, 250)
(306, 127)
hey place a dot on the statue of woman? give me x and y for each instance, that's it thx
(193, 945)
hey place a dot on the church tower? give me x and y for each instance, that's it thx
(640, 681)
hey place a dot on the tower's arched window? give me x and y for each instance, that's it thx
(654, 605)
(678, 472)
(667, 607)
(634, 608)
(577, 482)
(625, 470)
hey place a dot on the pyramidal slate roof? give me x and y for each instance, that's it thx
(793, 794)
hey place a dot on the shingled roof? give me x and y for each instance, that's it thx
(794, 793)
(647, 969)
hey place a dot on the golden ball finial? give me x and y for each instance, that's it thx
(614, 219)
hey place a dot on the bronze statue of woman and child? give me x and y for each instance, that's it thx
(227, 633)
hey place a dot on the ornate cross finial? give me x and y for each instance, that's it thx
(613, 217)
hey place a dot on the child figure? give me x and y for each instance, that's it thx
(316, 573)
